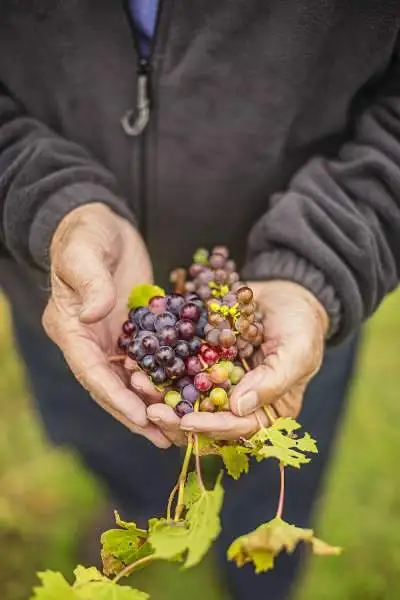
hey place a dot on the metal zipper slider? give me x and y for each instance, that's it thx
(134, 122)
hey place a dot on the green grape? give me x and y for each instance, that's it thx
(218, 374)
(201, 256)
(172, 398)
(236, 375)
(228, 365)
(219, 397)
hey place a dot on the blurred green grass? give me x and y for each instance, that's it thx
(46, 498)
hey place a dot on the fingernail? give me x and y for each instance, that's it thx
(247, 403)
(187, 427)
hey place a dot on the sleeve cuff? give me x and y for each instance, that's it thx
(58, 206)
(286, 265)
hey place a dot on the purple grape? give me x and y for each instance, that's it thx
(136, 350)
(148, 362)
(217, 261)
(174, 303)
(165, 356)
(131, 315)
(194, 345)
(129, 328)
(182, 382)
(201, 323)
(190, 311)
(186, 329)
(195, 270)
(193, 365)
(204, 292)
(230, 299)
(165, 319)
(182, 349)
(150, 344)
(191, 297)
(205, 276)
(147, 321)
(157, 304)
(138, 314)
(177, 369)
(124, 340)
(158, 376)
(168, 336)
(190, 394)
(183, 408)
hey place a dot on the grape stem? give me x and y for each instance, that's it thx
(133, 566)
(182, 478)
(279, 511)
(170, 501)
(117, 358)
(197, 454)
(245, 364)
(178, 278)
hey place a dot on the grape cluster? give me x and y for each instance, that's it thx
(191, 343)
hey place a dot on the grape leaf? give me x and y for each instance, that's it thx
(278, 441)
(89, 584)
(262, 545)
(193, 536)
(141, 294)
(236, 462)
(120, 547)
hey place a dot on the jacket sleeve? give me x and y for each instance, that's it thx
(42, 178)
(336, 229)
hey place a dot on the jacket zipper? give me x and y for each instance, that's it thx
(135, 121)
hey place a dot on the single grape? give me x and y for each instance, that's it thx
(247, 351)
(217, 261)
(247, 309)
(233, 281)
(193, 365)
(165, 356)
(124, 340)
(236, 285)
(195, 270)
(190, 394)
(136, 350)
(200, 256)
(229, 353)
(158, 376)
(230, 299)
(219, 397)
(202, 382)
(218, 374)
(157, 304)
(172, 398)
(142, 334)
(138, 314)
(245, 295)
(221, 250)
(230, 266)
(228, 365)
(205, 276)
(186, 329)
(168, 336)
(241, 342)
(221, 276)
(190, 286)
(201, 323)
(165, 319)
(236, 375)
(131, 315)
(227, 338)
(191, 297)
(215, 319)
(194, 345)
(148, 362)
(209, 355)
(150, 344)
(176, 370)
(204, 292)
(174, 303)
(242, 324)
(180, 383)
(182, 349)
(207, 405)
(251, 333)
(129, 327)
(190, 311)
(212, 337)
(183, 408)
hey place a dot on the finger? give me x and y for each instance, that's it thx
(145, 389)
(165, 418)
(81, 266)
(224, 425)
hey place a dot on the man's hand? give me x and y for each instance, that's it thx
(96, 258)
(295, 329)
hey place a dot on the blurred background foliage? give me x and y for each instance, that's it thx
(47, 500)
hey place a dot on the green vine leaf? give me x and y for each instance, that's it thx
(234, 456)
(279, 441)
(190, 539)
(89, 584)
(121, 547)
(141, 294)
(262, 545)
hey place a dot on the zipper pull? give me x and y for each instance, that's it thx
(134, 122)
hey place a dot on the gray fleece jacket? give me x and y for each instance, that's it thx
(274, 128)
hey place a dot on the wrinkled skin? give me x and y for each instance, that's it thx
(96, 259)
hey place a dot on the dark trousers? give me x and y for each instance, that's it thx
(139, 476)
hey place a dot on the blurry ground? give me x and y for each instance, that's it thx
(46, 499)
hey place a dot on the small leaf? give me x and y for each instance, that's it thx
(120, 547)
(236, 462)
(141, 294)
(84, 575)
(53, 587)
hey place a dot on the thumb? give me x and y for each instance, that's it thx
(264, 385)
(81, 266)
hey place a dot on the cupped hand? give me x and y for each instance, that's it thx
(96, 258)
(295, 329)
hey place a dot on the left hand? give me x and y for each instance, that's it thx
(295, 329)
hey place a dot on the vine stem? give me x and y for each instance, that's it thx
(132, 567)
(197, 454)
(245, 364)
(117, 358)
(279, 511)
(182, 478)
(170, 501)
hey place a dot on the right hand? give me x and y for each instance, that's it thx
(96, 258)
